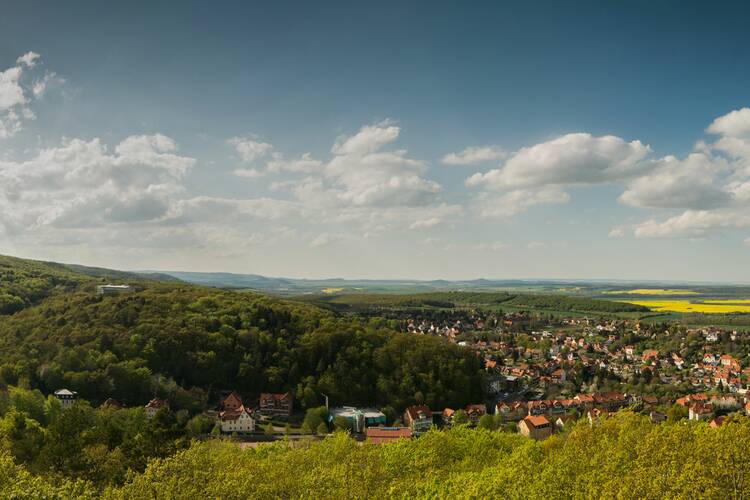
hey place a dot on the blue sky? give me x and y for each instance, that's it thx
(330, 138)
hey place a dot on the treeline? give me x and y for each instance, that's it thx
(447, 300)
(577, 304)
(186, 343)
(625, 456)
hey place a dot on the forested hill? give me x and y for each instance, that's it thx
(27, 282)
(186, 343)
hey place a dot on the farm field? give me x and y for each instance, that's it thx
(653, 291)
(709, 306)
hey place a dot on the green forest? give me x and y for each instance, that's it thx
(362, 302)
(624, 456)
(186, 343)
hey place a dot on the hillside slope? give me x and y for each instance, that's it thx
(187, 342)
(24, 282)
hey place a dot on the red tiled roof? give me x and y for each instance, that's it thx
(414, 411)
(274, 395)
(536, 421)
(387, 434)
(235, 414)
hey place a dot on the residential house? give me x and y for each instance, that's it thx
(447, 415)
(155, 405)
(475, 412)
(240, 420)
(700, 411)
(232, 401)
(382, 435)
(511, 411)
(276, 405)
(535, 427)
(418, 419)
(66, 397)
(657, 417)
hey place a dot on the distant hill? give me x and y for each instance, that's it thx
(606, 289)
(24, 282)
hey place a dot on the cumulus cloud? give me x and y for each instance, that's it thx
(734, 124)
(692, 224)
(711, 185)
(537, 174)
(573, 159)
(362, 174)
(366, 181)
(28, 59)
(492, 205)
(81, 183)
(689, 183)
(249, 149)
(17, 93)
(475, 154)
(305, 164)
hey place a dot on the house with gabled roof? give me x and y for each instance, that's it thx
(240, 420)
(153, 407)
(276, 404)
(418, 419)
(535, 427)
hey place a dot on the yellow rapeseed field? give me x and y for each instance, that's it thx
(654, 291)
(707, 306)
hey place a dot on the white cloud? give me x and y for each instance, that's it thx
(213, 209)
(364, 175)
(426, 223)
(573, 159)
(734, 124)
(305, 164)
(249, 149)
(17, 93)
(492, 205)
(325, 239)
(80, 183)
(28, 59)
(369, 139)
(692, 224)
(617, 232)
(690, 183)
(248, 173)
(475, 154)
